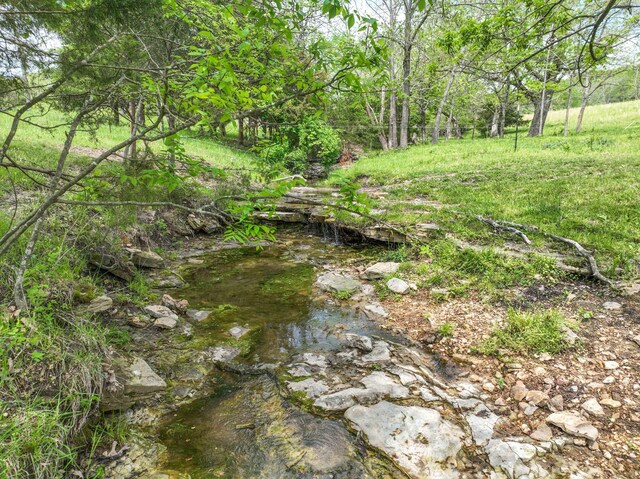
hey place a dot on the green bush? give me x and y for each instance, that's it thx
(311, 139)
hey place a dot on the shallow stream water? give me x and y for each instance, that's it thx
(244, 428)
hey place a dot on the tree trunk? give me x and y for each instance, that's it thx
(436, 127)
(406, 78)
(540, 113)
(449, 120)
(583, 107)
(494, 123)
(423, 122)
(393, 120)
(566, 113)
(503, 112)
(240, 131)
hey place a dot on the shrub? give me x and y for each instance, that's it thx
(311, 139)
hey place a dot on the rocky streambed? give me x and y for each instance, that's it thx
(269, 364)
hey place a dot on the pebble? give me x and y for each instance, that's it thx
(612, 403)
(593, 407)
(537, 398)
(609, 380)
(557, 402)
(519, 391)
(610, 365)
(490, 387)
(542, 433)
(611, 305)
(539, 371)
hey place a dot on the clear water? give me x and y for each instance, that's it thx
(244, 428)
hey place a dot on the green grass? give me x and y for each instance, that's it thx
(106, 136)
(585, 187)
(527, 332)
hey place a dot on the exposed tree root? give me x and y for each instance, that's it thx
(593, 266)
(509, 229)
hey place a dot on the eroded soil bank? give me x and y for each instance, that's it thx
(295, 361)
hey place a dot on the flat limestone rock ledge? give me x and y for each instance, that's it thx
(418, 439)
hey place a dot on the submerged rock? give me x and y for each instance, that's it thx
(222, 354)
(417, 438)
(198, 315)
(337, 283)
(238, 331)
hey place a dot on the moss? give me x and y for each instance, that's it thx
(290, 282)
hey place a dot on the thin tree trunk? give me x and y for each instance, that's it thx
(566, 113)
(436, 127)
(449, 120)
(406, 78)
(503, 111)
(240, 131)
(583, 107)
(583, 104)
(393, 120)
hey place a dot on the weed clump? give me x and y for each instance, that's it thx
(528, 332)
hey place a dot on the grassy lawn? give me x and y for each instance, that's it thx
(33, 138)
(585, 187)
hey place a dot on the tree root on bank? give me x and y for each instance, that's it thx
(516, 228)
(509, 229)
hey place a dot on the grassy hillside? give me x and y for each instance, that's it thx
(31, 137)
(585, 187)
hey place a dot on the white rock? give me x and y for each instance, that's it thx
(165, 322)
(398, 286)
(593, 407)
(611, 305)
(380, 270)
(198, 315)
(311, 387)
(573, 423)
(610, 365)
(159, 311)
(379, 354)
(482, 423)
(376, 310)
(421, 442)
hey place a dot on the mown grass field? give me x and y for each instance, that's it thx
(585, 186)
